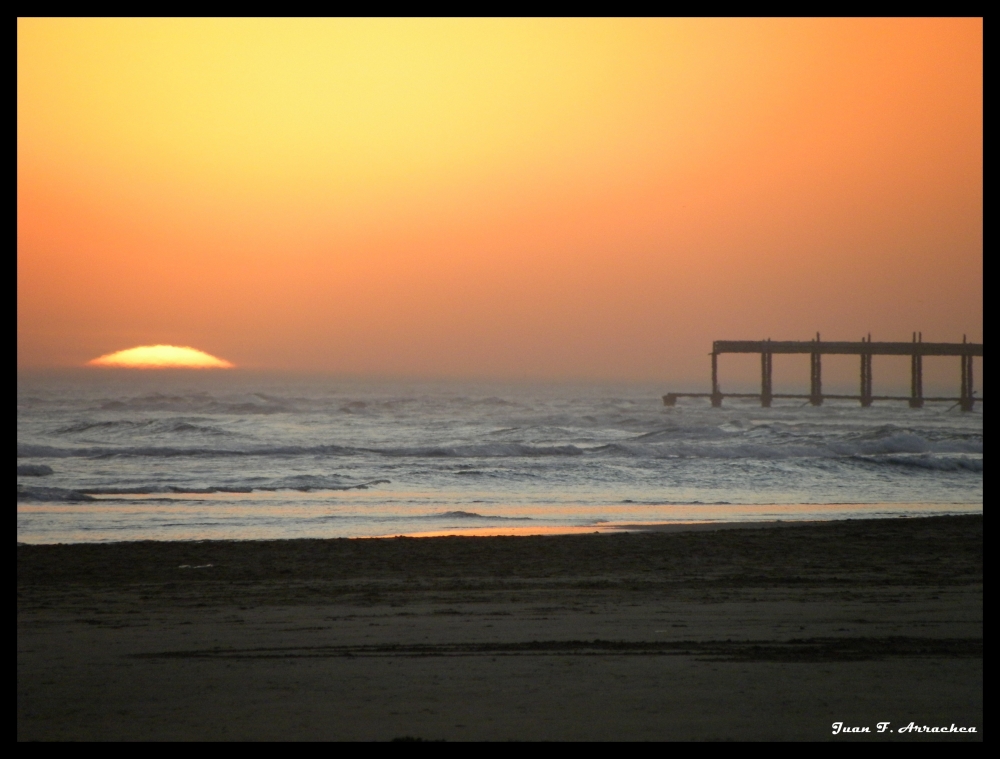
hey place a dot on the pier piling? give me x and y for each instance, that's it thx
(716, 394)
(966, 398)
(815, 376)
(917, 375)
(866, 376)
(765, 379)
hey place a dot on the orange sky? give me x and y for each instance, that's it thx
(471, 198)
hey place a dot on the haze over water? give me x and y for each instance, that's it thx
(195, 456)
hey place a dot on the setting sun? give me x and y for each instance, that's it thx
(161, 357)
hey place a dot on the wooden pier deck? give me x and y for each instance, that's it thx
(865, 349)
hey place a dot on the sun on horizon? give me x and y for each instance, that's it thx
(161, 357)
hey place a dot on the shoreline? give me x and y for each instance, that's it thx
(658, 527)
(694, 525)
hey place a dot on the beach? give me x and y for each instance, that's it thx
(772, 633)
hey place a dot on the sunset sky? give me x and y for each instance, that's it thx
(551, 199)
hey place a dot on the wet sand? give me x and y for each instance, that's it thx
(772, 633)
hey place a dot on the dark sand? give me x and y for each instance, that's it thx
(763, 634)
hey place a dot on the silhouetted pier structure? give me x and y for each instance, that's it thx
(865, 349)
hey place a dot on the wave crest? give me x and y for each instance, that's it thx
(28, 494)
(474, 515)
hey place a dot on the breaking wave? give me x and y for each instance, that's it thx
(936, 463)
(33, 470)
(898, 444)
(191, 490)
(149, 426)
(50, 494)
(474, 515)
(30, 450)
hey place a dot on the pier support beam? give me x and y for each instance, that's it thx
(815, 380)
(916, 382)
(815, 376)
(866, 378)
(765, 379)
(917, 377)
(967, 401)
(716, 394)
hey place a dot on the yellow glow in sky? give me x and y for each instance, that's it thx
(339, 107)
(557, 198)
(161, 357)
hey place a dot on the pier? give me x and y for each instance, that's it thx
(865, 349)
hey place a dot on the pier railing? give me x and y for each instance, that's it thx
(865, 349)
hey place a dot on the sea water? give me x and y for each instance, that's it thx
(194, 455)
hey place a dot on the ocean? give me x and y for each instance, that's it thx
(109, 456)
